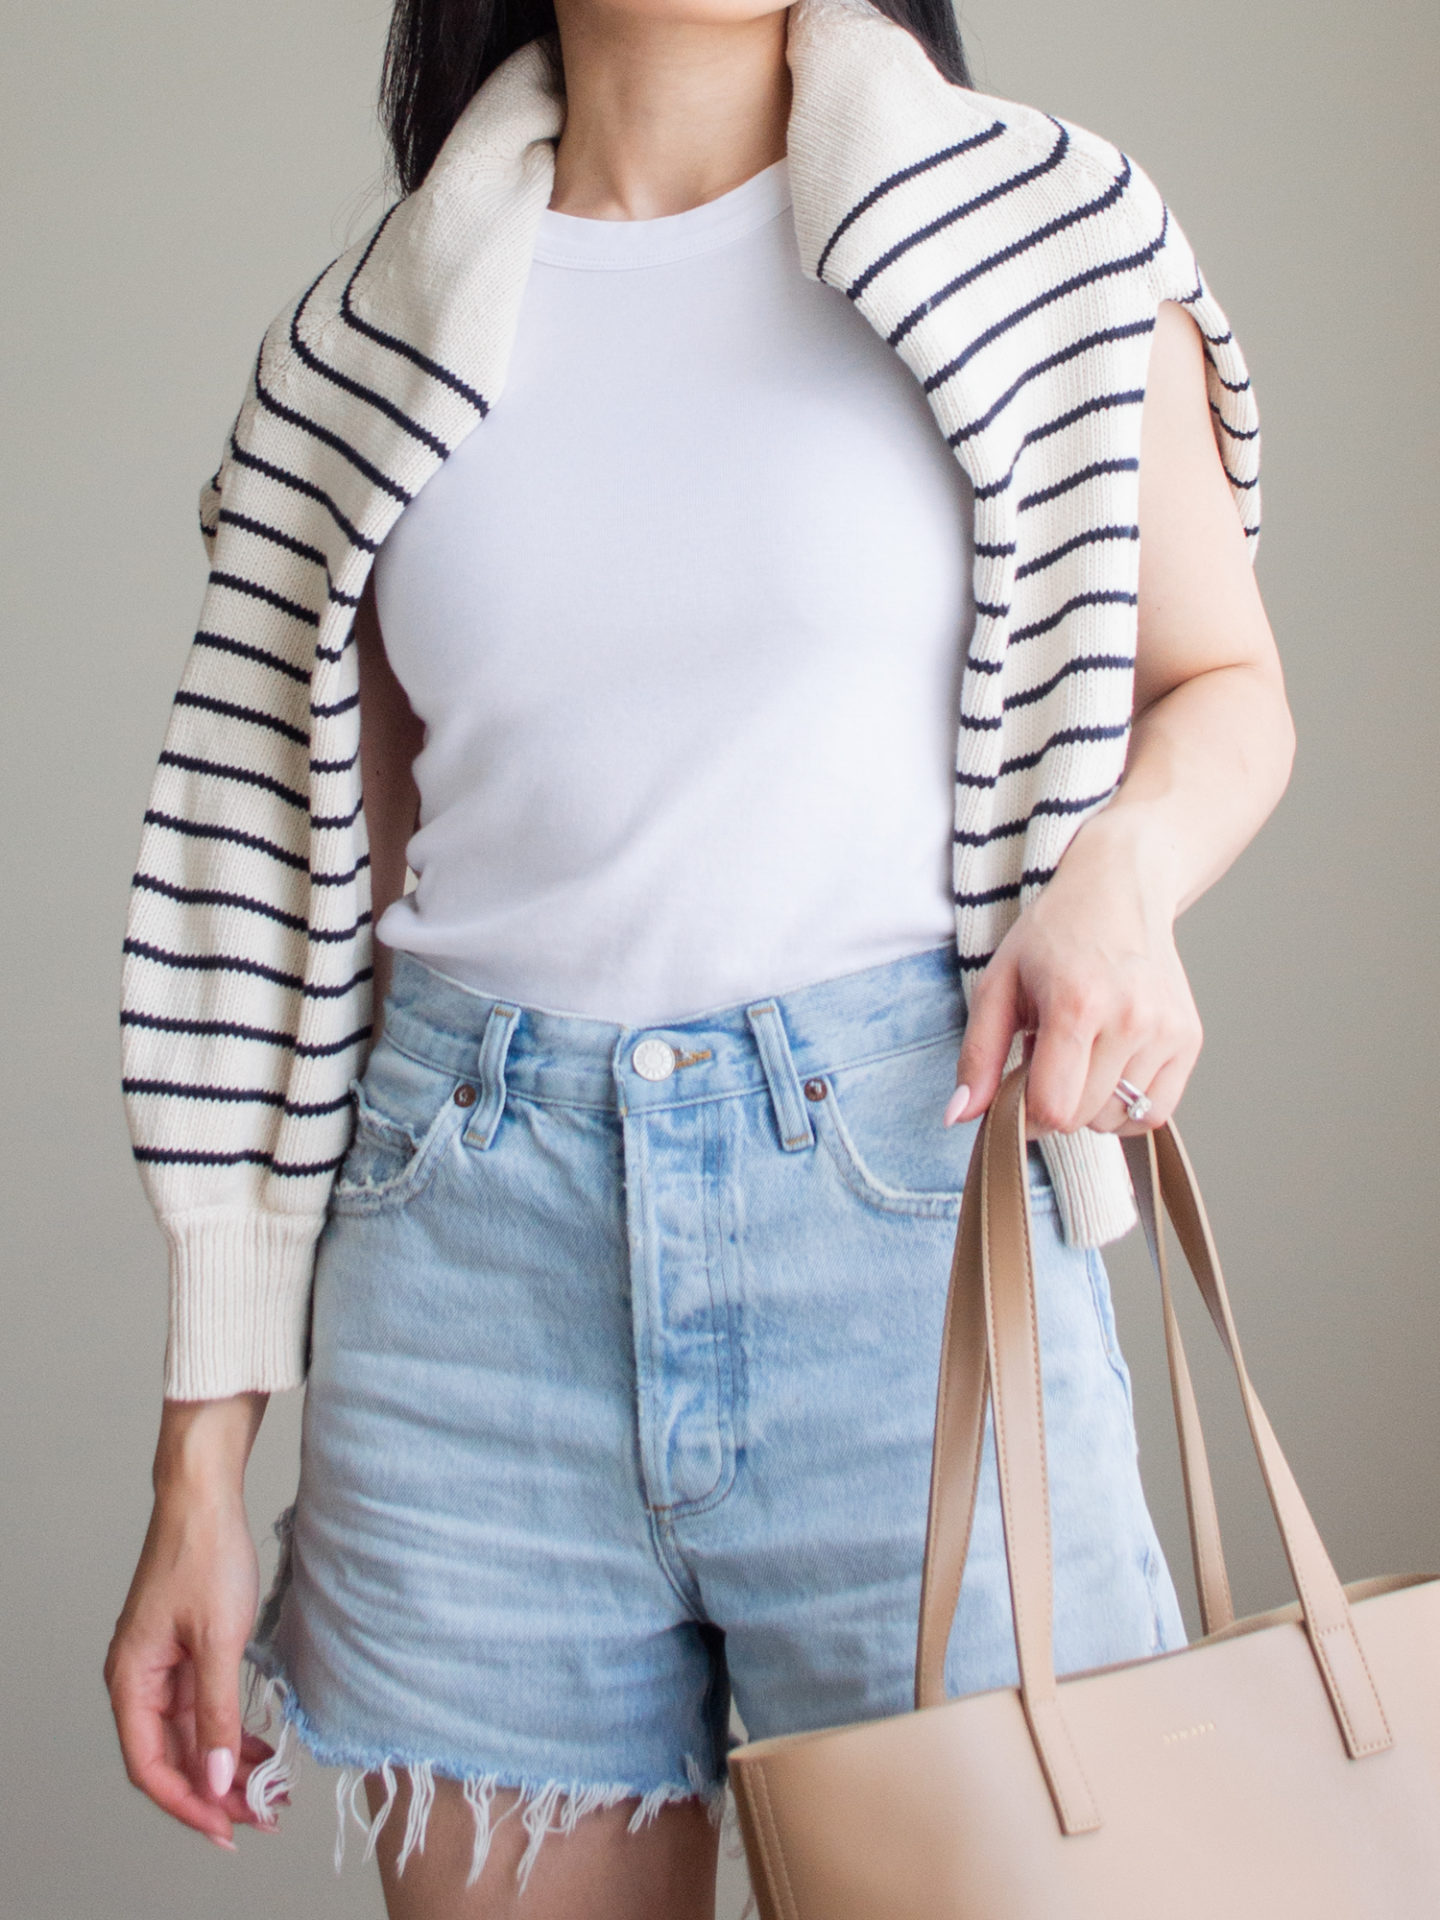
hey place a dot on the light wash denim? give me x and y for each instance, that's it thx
(621, 1398)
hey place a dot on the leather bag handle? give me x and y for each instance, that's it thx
(992, 1286)
(959, 1438)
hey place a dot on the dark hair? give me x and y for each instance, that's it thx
(439, 52)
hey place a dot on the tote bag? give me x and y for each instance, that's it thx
(1283, 1765)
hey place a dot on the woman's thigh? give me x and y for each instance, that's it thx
(598, 1871)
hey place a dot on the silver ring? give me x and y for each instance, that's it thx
(1135, 1103)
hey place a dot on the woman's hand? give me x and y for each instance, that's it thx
(1091, 971)
(173, 1665)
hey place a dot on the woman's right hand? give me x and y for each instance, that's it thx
(173, 1665)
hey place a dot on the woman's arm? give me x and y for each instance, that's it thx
(390, 738)
(173, 1664)
(1090, 967)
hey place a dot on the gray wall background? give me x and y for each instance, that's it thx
(173, 172)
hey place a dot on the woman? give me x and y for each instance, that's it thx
(780, 765)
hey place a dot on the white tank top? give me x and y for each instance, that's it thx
(684, 619)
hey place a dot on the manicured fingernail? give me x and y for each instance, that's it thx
(229, 1845)
(219, 1770)
(958, 1102)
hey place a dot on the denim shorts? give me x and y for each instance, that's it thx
(624, 1352)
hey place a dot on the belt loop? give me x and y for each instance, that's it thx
(791, 1114)
(490, 1070)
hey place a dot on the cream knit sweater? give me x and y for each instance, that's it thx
(1015, 262)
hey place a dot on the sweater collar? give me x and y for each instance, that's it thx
(443, 276)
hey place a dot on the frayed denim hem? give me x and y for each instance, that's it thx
(542, 1806)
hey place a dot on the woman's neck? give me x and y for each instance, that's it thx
(663, 114)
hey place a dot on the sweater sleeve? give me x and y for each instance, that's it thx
(1091, 1181)
(245, 993)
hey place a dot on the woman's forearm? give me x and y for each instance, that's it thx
(1090, 967)
(1207, 764)
(204, 1447)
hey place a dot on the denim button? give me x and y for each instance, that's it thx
(653, 1059)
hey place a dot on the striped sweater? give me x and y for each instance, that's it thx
(1014, 261)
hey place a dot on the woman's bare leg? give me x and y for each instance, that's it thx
(600, 1871)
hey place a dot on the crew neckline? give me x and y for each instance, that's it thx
(576, 240)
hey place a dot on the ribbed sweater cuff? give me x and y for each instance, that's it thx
(239, 1302)
(1092, 1186)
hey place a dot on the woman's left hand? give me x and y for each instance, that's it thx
(1091, 974)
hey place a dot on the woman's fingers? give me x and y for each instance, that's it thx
(156, 1739)
(1068, 1033)
(215, 1662)
(995, 1016)
(1079, 1056)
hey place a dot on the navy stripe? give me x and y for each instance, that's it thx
(232, 1030)
(1100, 597)
(1092, 536)
(215, 771)
(203, 830)
(1061, 290)
(254, 1157)
(252, 716)
(967, 207)
(991, 609)
(332, 654)
(1042, 809)
(1082, 663)
(1101, 403)
(340, 706)
(989, 897)
(1032, 877)
(341, 879)
(1235, 433)
(222, 643)
(355, 387)
(1104, 337)
(264, 531)
(889, 184)
(1043, 495)
(1064, 737)
(335, 441)
(234, 963)
(322, 820)
(238, 583)
(234, 1096)
(284, 478)
(392, 341)
(211, 897)
(1230, 386)
(1036, 237)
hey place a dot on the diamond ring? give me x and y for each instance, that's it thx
(1135, 1103)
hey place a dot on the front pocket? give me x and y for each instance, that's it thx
(406, 1113)
(882, 1124)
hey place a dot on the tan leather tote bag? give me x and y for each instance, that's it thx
(1284, 1765)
